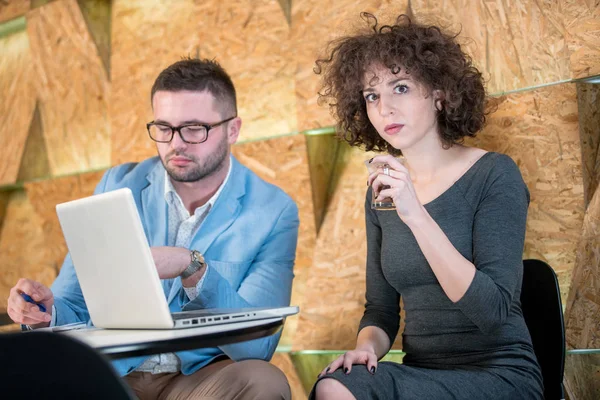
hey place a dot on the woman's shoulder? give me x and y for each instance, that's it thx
(492, 173)
(501, 167)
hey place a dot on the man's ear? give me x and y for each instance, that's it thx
(233, 130)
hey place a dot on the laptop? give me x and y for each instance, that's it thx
(116, 271)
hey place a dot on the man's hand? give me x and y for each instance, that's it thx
(23, 312)
(172, 261)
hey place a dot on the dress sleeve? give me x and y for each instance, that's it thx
(498, 240)
(382, 308)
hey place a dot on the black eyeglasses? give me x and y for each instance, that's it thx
(190, 133)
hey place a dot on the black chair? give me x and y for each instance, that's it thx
(542, 310)
(45, 365)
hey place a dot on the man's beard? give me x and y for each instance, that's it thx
(214, 162)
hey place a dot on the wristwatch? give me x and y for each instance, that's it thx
(197, 262)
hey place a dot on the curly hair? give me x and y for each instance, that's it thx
(433, 58)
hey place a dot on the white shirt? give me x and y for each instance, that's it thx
(182, 227)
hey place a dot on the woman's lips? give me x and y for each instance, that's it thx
(393, 129)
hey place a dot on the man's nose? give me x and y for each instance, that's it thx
(177, 142)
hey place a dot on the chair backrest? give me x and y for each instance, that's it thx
(542, 310)
(46, 365)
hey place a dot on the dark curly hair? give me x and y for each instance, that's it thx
(433, 58)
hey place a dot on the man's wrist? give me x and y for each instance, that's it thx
(193, 280)
(194, 271)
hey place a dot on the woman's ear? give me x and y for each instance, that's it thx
(438, 97)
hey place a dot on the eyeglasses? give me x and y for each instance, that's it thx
(191, 133)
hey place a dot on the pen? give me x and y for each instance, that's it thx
(28, 299)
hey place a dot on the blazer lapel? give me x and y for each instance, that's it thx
(154, 210)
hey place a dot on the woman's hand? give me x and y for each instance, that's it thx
(346, 360)
(398, 186)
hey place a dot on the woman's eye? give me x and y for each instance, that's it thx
(371, 97)
(401, 89)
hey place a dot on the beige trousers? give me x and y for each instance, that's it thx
(223, 380)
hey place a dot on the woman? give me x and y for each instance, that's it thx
(453, 247)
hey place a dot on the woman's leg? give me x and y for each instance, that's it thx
(331, 389)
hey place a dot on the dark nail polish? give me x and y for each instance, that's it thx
(327, 370)
(346, 371)
(371, 160)
(367, 182)
(372, 370)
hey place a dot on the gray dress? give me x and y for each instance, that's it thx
(478, 347)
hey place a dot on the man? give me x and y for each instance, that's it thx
(220, 237)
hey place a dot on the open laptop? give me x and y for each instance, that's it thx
(116, 271)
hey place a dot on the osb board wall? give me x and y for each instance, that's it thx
(314, 24)
(285, 364)
(322, 152)
(247, 37)
(588, 101)
(582, 24)
(97, 16)
(583, 305)
(72, 87)
(45, 195)
(515, 43)
(539, 129)
(18, 102)
(22, 247)
(13, 8)
(283, 162)
(582, 376)
(34, 162)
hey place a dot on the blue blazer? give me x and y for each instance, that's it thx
(248, 240)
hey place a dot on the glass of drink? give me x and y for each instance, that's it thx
(385, 204)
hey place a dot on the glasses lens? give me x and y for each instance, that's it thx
(160, 133)
(194, 133)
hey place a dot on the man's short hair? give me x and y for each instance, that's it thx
(196, 74)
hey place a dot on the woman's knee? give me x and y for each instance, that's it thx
(332, 389)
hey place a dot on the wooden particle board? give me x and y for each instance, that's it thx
(23, 249)
(10, 9)
(18, 109)
(45, 195)
(248, 38)
(284, 163)
(588, 101)
(72, 87)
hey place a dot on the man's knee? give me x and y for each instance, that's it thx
(261, 379)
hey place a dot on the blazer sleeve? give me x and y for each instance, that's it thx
(268, 283)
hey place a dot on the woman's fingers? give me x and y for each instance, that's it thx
(333, 366)
(372, 363)
(385, 186)
(351, 358)
(393, 162)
